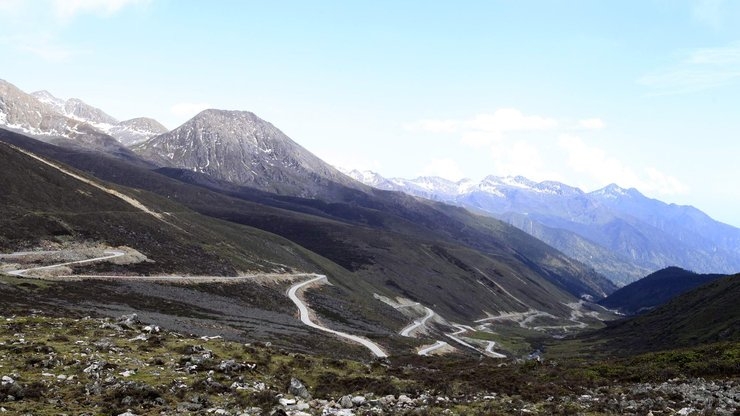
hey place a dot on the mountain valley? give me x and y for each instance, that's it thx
(242, 247)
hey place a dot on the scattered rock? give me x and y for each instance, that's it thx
(129, 321)
(298, 389)
(346, 402)
(286, 402)
(229, 366)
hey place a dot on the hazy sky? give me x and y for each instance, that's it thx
(642, 93)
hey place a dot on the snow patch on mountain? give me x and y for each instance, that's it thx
(41, 114)
(612, 191)
(47, 98)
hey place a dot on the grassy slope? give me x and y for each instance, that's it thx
(655, 290)
(158, 383)
(708, 314)
(40, 204)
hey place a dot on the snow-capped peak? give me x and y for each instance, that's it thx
(367, 177)
(612, 191)
(509, 181)
(49, 99)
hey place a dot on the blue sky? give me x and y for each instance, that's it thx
(642, 93)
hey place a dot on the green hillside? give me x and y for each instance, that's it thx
(655, 290)
(708, 314)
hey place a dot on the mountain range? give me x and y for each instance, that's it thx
(70, 122)
(619, 232)
(238, 196)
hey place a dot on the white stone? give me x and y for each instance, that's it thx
(286, 402)
(302, 405)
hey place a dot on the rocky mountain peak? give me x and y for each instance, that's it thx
(137, 130)
(49, 99)
(241, 148)
(69, 122)
(25, 113)
(78, 109)
(509, 181)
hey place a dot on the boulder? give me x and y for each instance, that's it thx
(298, 389)
(346, 402)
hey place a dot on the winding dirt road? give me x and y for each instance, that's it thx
(292, 292)
(434, 347)
(110, 254)
(406, 332)
(306, 319)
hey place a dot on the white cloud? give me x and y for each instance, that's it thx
(663, 183)
(67, 9)
(520, 158)
(186, 110)
(698, 70)
(486, 128)
(508, 119)
(591, 124)
(594, 165)
(348, 162)
(444, 168)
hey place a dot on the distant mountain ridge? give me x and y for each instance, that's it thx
(54, 120)
(707, 313)
(655, 290)
(619, 232)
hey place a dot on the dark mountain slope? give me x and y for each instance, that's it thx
(243, 152)
(655, 290)
(399, 213)
(40, 203)
(393, 254)
(707, 314)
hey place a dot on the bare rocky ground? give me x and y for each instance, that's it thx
(123, 366)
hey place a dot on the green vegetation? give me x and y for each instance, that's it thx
(708, 314)
(656, 289)
(105, 367)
